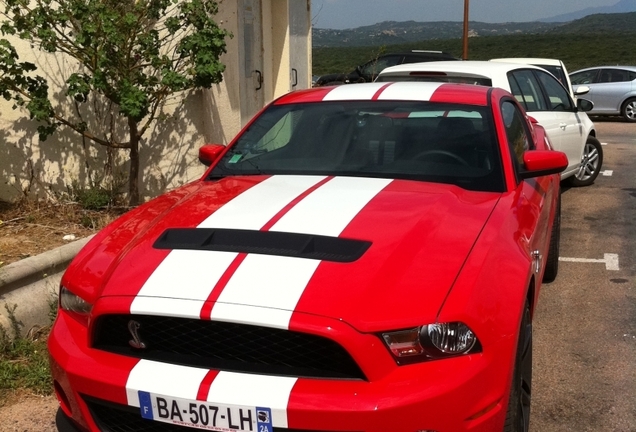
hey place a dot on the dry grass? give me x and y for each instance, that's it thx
(29, 228)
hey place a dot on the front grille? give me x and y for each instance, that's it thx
(111, 417)
(226, 346)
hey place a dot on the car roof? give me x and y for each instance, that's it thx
(407, 91)
(485, 69)
(529, 60)
(422, 52)
(631, 68)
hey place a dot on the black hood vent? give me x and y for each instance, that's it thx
(263, 242)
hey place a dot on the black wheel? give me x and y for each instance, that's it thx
(552, 263)
(445, 153)
(628, 110)
(591, 163)
(518, 415)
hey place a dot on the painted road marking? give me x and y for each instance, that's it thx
(603, 143)
(610, 260)
(607, 173)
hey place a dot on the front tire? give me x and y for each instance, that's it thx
(628, 110)
(591, 163)
(518, 414)
(552, 262)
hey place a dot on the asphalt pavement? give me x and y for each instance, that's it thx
(585, 323)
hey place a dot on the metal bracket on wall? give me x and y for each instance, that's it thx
(259, 79)
(294, 77)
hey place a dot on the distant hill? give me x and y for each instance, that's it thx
(599, 24)
(594, 40)
(392, 32)
(621, 7)
(396, 33)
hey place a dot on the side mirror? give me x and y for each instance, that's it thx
(581, 90)
(209, 153)
(539, 163)
(584, 104)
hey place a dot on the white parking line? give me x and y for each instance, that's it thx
(603, 143)
(610, 260)
(607, 173)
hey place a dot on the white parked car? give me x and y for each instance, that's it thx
(555, 66)
(545, 99)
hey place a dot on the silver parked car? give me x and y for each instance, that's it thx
(612, 89)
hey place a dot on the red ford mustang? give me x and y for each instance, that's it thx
(359, 258)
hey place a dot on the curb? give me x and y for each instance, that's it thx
(32, 284)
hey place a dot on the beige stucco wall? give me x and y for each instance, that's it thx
(169, 151)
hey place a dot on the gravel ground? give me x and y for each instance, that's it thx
(29, 414)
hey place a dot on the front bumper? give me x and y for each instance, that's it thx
(459, 394)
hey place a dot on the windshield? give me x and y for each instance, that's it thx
(423, 141)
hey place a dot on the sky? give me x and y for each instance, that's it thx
(342, 14)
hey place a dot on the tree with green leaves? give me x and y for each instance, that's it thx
(133, 54)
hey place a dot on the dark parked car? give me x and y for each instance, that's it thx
(370, 70)
(612, 89)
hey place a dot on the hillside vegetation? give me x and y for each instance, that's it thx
(604, 39)
(392, 32)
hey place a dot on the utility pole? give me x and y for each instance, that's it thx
(465, 54)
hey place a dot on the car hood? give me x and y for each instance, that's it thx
(374, 253)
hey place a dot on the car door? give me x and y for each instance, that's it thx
(587, 78)
(610, 90)
(551, 105)
(563, 108)
(534, 194)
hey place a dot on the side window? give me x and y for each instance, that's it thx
(585, 77)
(619, 75)
(558, 97)
(518, 139)
(529, 95)
(605, 76)
(632, 75)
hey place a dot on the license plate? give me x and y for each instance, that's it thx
(204, 415)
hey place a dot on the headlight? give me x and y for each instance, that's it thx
(73, 303)
(431, 342)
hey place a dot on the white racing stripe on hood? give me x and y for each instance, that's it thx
(164, 379)
(254, 390)
(329, 209)
(188, 275)
(258, 205)
(266, 281)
